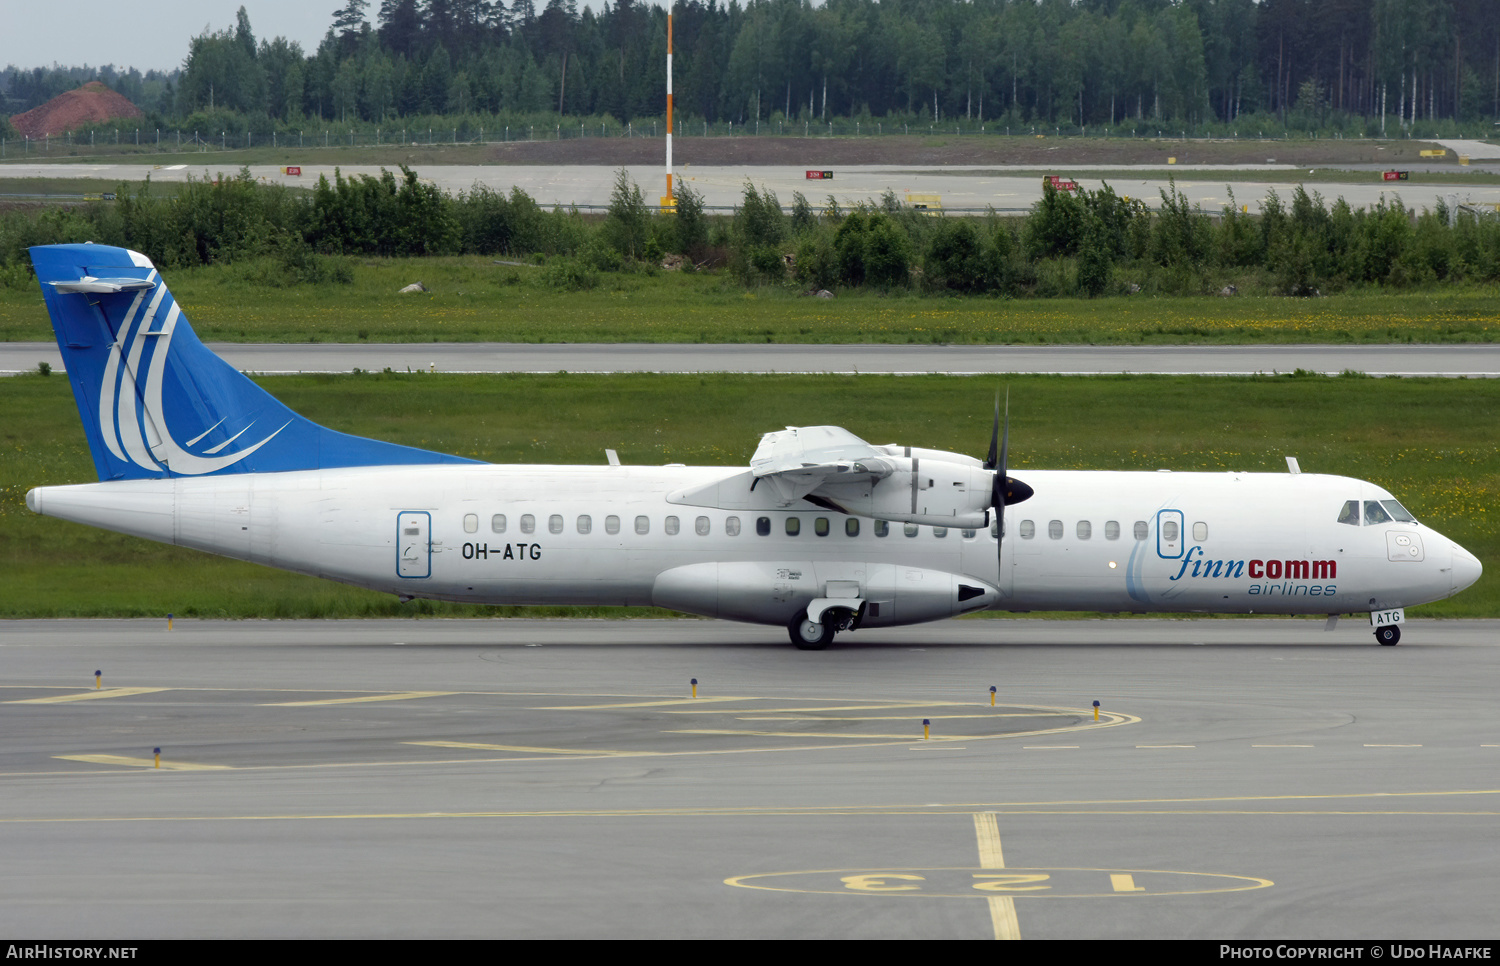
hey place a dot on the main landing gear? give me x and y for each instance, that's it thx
(1388, 635)
(810, 635)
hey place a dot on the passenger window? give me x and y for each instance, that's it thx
(643, 525)
(555, 523)
(1085, 529)
(701, 526)
(1375, 513)
(968, 534)
(851, 527)
(732, 526)
(528, 523)
(611, 524)
(1200, 531)
(939, 531)
(1349, 515)
(820, 526)
(882, 528)
(471, 523)
(910, 529)
(995, 527)
(1112, 530)
(793, 526)
(763, 526)
(1028, 529)
(497, 523)
(1141, 531)
(1055, 529)
(1169, 530)
(585, 523)
(671, 527)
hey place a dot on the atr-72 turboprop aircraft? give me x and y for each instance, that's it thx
(822, 533)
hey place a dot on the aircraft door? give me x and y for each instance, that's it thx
(1169, 534)
(414, 544)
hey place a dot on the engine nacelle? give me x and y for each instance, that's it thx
(933, 492)
(772, 592)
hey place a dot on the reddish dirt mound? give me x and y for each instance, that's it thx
(91, 102)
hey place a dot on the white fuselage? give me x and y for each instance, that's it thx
(627, 535)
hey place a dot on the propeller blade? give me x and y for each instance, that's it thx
(993, 459)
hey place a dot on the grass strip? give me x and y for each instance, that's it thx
(473, 299)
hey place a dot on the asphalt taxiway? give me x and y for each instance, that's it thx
(960, 187)
(1247, 779)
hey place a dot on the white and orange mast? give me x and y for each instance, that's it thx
(669, 200)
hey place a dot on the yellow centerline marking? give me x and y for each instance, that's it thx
(1016, 808)
(662, 703)
(141, 762)
(991, 856)
(89, 695)
(573, 752)
(367, 699)
(887, 706)
(816, 734)
(900, 717)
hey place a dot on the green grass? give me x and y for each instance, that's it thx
(1434, 443)
(474, 299)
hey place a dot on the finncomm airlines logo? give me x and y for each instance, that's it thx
(1196, 564)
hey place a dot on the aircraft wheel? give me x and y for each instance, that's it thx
(1388, 635)
(809, 635)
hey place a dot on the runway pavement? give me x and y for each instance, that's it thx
(958, 186)
(1249, 779)
(1467, 360)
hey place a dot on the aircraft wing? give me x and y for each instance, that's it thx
(799, 459)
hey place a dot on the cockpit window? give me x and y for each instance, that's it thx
(1374, 513)
(1350, 513)
(1398, 512)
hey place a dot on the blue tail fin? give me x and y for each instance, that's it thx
(155, 401)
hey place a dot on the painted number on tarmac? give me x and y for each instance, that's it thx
(981, 883)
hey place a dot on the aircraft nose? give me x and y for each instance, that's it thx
(1466, 568)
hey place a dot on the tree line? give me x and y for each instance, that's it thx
(1071, 243)
(1363, 66)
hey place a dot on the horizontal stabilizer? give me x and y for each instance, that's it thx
(102, 285)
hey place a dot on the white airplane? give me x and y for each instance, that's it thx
(822, 533)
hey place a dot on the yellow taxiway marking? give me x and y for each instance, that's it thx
(89, 695)
(991, 856)
(887, 706)
(662, 703)
(1013, 808)
(900, 717)
(591, 752)
(367, 699)
(817, 734)
(140, 762)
